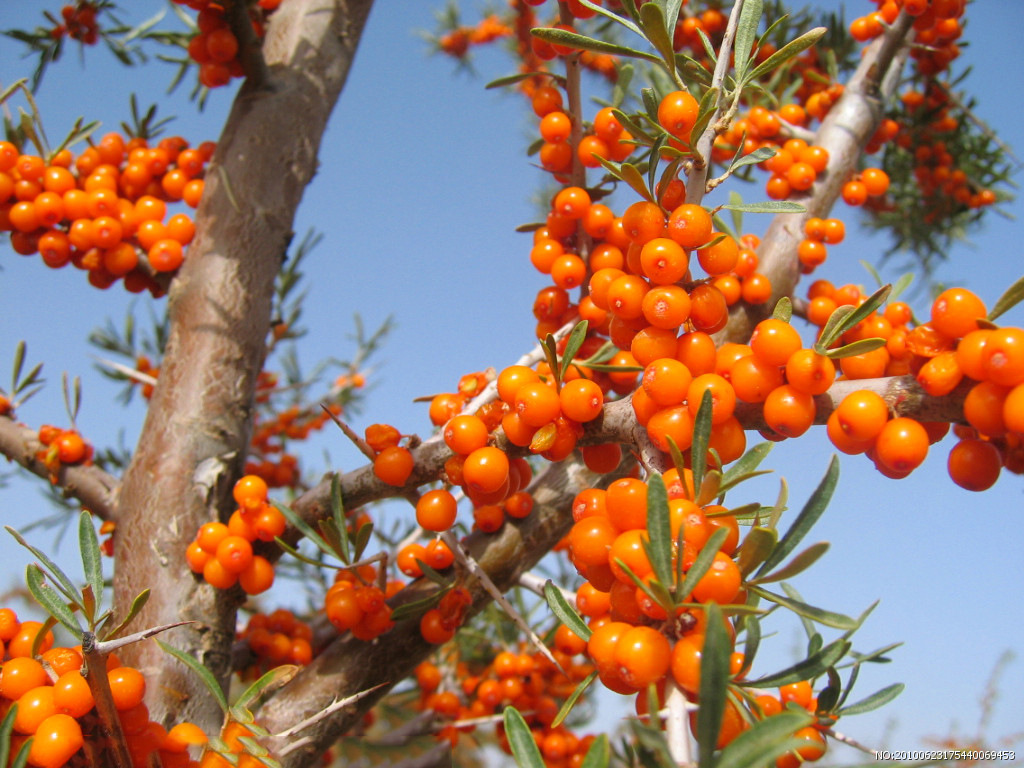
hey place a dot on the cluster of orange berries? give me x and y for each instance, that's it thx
(224, 555)
(78, 22)
(634, 642)
(936, 29)
(214, 47)
(605, 138)
(817, 234)
(954, 345)
(439, 624)
(794, 168)
(62, 447)
(528, 681)
(355, 602)
(105, 210)
(870, 182)
(392, 463)
(278, 638)
(55, 702)
(277, 467)
(456, 42)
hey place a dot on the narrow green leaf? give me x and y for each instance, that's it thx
(19, 360)
(746, 34)
(520, 740)
(572, 345)
(786, 52)
(570, 702)
(329, 530)
(417, 607)
(808, 669)
(551, 354)
(780, 504)
(584, 43)
(820, 615)
(599, 755)
(363, 534)
(631, 125)
(621, 88)
(757, 546)
(714, 675)
(870, 269)
(659, 546)
(901, 285)
(798, 564)
(701, 440)
(830, 332)
(751, 642)
(433, 575)
(808, 516)
(652, 21)
(133, 610)
(765, 740)
(702, 563)
(1010, 298)
(759, 155)
(6, 728)
(705, 111)
(519, 77)
(51, 602)
(783, 309)
(735, 198)
(746, 464)
(63, 583)
(874, 701)
(859, 347)
(828, 697)
(92, 559)
(273, 679)
(769, 206)
(652, 168)
(613, 16)
(650, 101)
(876, 656)
(204, 674)
(564, 610)
(296, 553)
(851, 317)
(304, 528)
(340, 521)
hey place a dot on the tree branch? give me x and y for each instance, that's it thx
(844, 133)
(197, 430)
(95, 489)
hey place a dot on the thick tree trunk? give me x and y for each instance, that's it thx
(197, 430)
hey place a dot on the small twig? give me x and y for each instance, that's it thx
(109, 646)
(474, 567)
(850, 741)
(535, 584)
(131, 373)
(677, 728)
(336, 705)
(359, 443)
(99, 686)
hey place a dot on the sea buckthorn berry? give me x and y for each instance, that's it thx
(537, 404)
(666, 381)
(663, 261)
(789, 411)
(709, 311)
(465, 433)
(486, 469)
(723, 397)
(72, 695)
(666, 306)
(685, 662)
(546, 99)
(974, 464)
(941, 374)
(956, 311)
(810, 372)
(677, 113)
(875, 180)
(234, 553)
(394, 465)
(250, 492)
(581, 400)
(902, 444)
(571, 202)
(861, 415)
(719, 257)
(690, 225)
(56, 740)
(513, 377)
(643, 656)
(774, 341)
(436, 510)
(20, 675)
(753, 379)
(210, 535)
(1003, 357)
(127, 687)
(555, 127)
(643, 221)
(258, 577)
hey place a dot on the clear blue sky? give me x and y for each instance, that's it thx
(423, 179)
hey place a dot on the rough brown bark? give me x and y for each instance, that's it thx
(197, 429)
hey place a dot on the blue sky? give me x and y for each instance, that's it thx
(423, 179)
